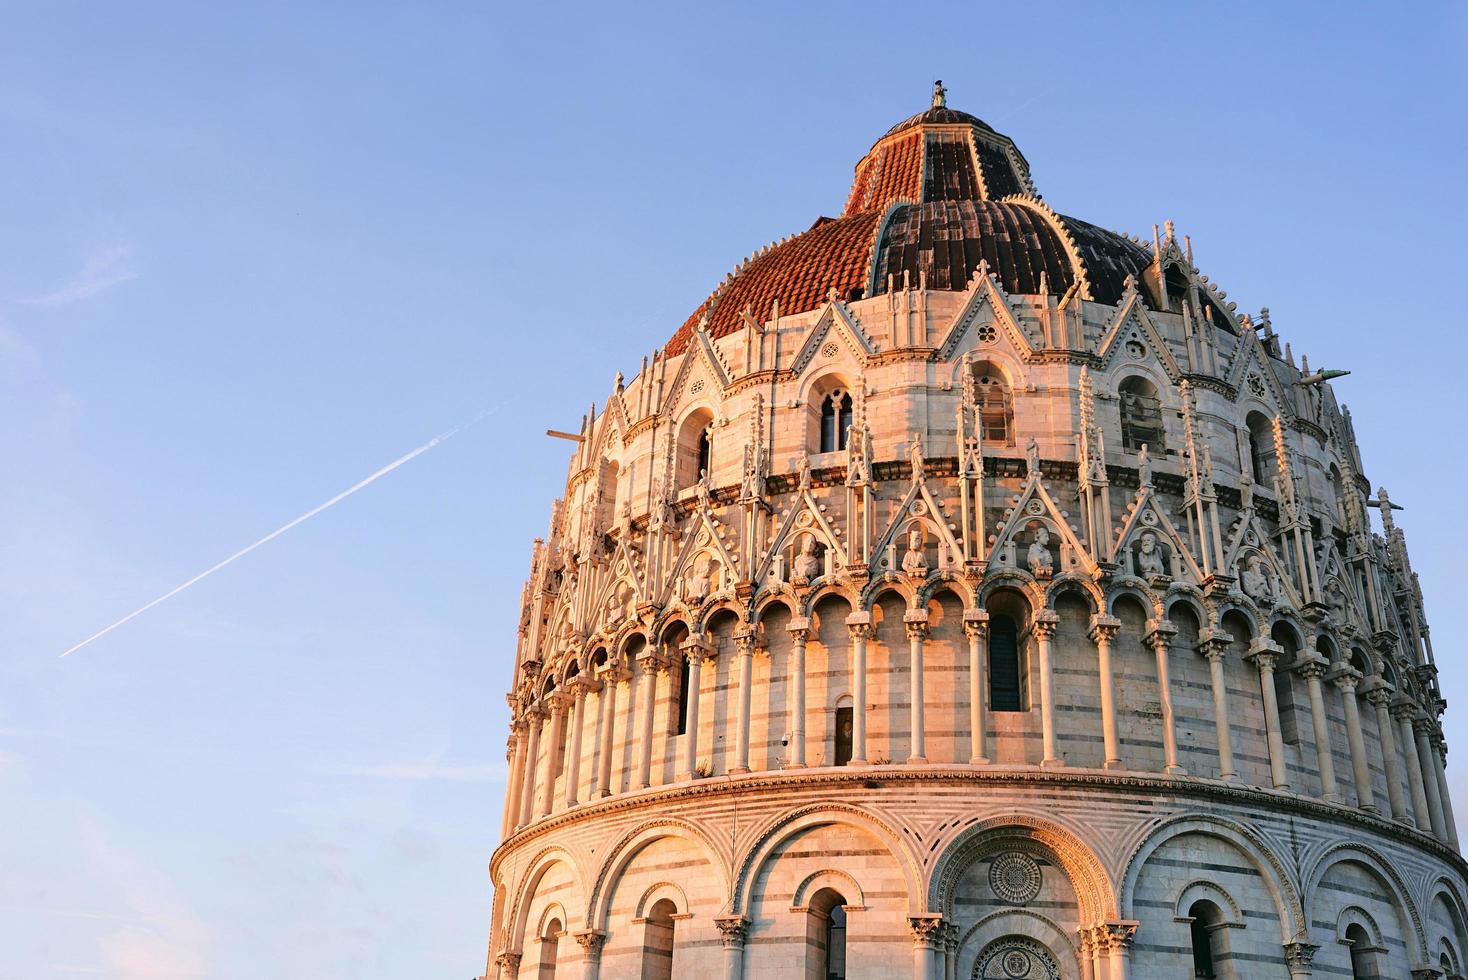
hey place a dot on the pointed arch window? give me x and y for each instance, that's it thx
(826, 936)
(1141, 417)
(995, 405)
(835, 420)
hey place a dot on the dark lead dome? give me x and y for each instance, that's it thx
(940, 193)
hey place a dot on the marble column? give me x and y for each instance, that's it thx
(859, 626)
(916, 622)
(1213, 644)
(1103, 633)
(577, 721)
(647, 697)
(1440, 755)
(1265, 654)
(1160, 634)
(697, 650)
(535, 719)
(795, 752)
(1403, 710)
(559, 704)
(1118, 938)
(976, 628)
(927, 931)
(733, 933)
(1422, 728)
(1312, 670)
(744, 639)
(1346, 679)
(517, 771)
(1046, 622)
(601, 784)
(1380, 696)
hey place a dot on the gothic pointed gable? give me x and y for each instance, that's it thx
(703, 363)
(1146, 514)
(1131, 322)
(837, 325)
(804, 515)
(1035, 504)
(919, 505)
(1250, 371)
(983, 293)
(702, 535)
(1247, 537)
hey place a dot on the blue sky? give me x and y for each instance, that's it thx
(250, 253)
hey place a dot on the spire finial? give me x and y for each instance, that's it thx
(940, 95)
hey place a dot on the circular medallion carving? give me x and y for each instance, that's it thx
(1015, 878)
(1035, 507)
(1016, 958)
(1135, 349)
(1149, 518)
(1256, 385)
(831, 350)
(696, 387)
(987, 334)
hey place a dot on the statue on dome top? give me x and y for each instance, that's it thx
(940, 95)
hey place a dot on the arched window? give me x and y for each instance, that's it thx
(1141, 417)
(996, 407)
(845, 719)
(1261, 448)
(550, 945)
(1005, 680)
(825, 936)
(682, 705)
(658, 941)
(695, 448)
(1363, 953)
(1206, 919)
(835, 421)
(705, 453)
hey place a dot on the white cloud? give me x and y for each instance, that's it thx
(103, 269)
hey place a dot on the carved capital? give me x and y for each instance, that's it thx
(1160, 632)
(1299, 955)
(976, 622)
(697, 648)
(927, 930)
(733, 930)
(1213, 644)
(1345, 678)
(1404, 709)
(799, 629)
(1114, 935)
(1315, 667)
(591, 941)
(1104, 629)
(1045, 624)
(1380, 695)
(509, 963)
(1264, 653)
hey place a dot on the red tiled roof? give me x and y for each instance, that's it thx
(948, 182)
(891, 172)
(799, 273)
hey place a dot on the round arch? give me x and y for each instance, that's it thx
(539, 866)
(1272, 870)
(780, 829)
(1094, 892)
(630, 845)
(1385, 872)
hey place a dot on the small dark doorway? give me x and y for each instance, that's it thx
(844, 722)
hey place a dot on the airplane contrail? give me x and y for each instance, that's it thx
(441, 437)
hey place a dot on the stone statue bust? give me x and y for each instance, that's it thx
(1038, 557)
(1149, 558)
(807, 566)
(913, 560)
(700, 581)
(1256, 581)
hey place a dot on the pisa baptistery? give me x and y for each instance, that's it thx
(966, 591)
